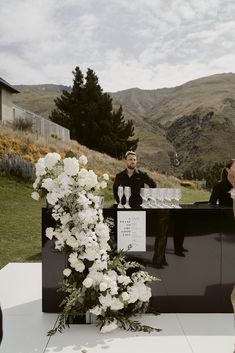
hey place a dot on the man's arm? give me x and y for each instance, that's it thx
(149, 181)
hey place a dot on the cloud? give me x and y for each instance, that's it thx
(141, 43)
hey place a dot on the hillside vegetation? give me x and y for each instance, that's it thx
(169, 122)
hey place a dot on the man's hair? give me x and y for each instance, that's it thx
(129, 152)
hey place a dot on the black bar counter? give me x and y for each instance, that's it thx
(200, 282)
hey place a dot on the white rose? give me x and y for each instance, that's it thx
(79, 266)
(83, 160)
(103, 286)
(67, 272)
(87, 282)
(97, 310)
(51, 159)
(125, 296)
(71, 166)
(35, 184)
(72, 242)
(105, 176)
(103, 184)
(52, 198)
(124, 279)
(40, 167)
(50, 233)
(35, 195)
(48, 184)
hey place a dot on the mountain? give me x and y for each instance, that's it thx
(180, 128)
(39, 98)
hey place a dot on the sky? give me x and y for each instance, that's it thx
(147, 44)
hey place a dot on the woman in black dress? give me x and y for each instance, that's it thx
(221, 191)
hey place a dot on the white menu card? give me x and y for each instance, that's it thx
(131, 230)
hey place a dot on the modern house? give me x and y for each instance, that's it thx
(10, 111)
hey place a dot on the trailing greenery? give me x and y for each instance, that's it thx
(88, 113)
(78, 300)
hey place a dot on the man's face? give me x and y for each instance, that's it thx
(131, 161)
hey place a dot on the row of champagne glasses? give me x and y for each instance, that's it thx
(152, 197)
(160, 197)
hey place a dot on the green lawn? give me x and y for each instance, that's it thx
(20, 223)
(20, 220)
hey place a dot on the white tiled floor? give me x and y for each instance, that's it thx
(25, 326)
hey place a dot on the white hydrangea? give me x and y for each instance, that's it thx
(71, 166)
(91, 180)
(106, 176)
(125, 296)
(51, 159)
(52, 198)
(87, 282)
(40, 167)
(50, 232)
(48, 184)
(109, 301)
(67, 272)
(72, 242)
(35, 184)
(124, 280)
(102, 230)
(83, 160)
(103, 286)
(103, 184)
(35, 195)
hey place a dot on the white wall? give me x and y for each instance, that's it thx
(6, 108)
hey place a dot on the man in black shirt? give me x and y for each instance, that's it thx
(134, 178)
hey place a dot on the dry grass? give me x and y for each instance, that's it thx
(34, 146)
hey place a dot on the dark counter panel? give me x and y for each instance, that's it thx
(201, 281)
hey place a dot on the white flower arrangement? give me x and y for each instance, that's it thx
(96, 279)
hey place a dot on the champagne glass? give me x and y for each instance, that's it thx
(127, 193)
(178, 195)
(144, 197)
(152, 198)
(120, 195)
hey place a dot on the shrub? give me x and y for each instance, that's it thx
(22, 124)
(14, 165)
(188, 184)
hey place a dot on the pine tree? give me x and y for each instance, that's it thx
(88, 113)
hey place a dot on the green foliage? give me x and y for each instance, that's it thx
(88, 113)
